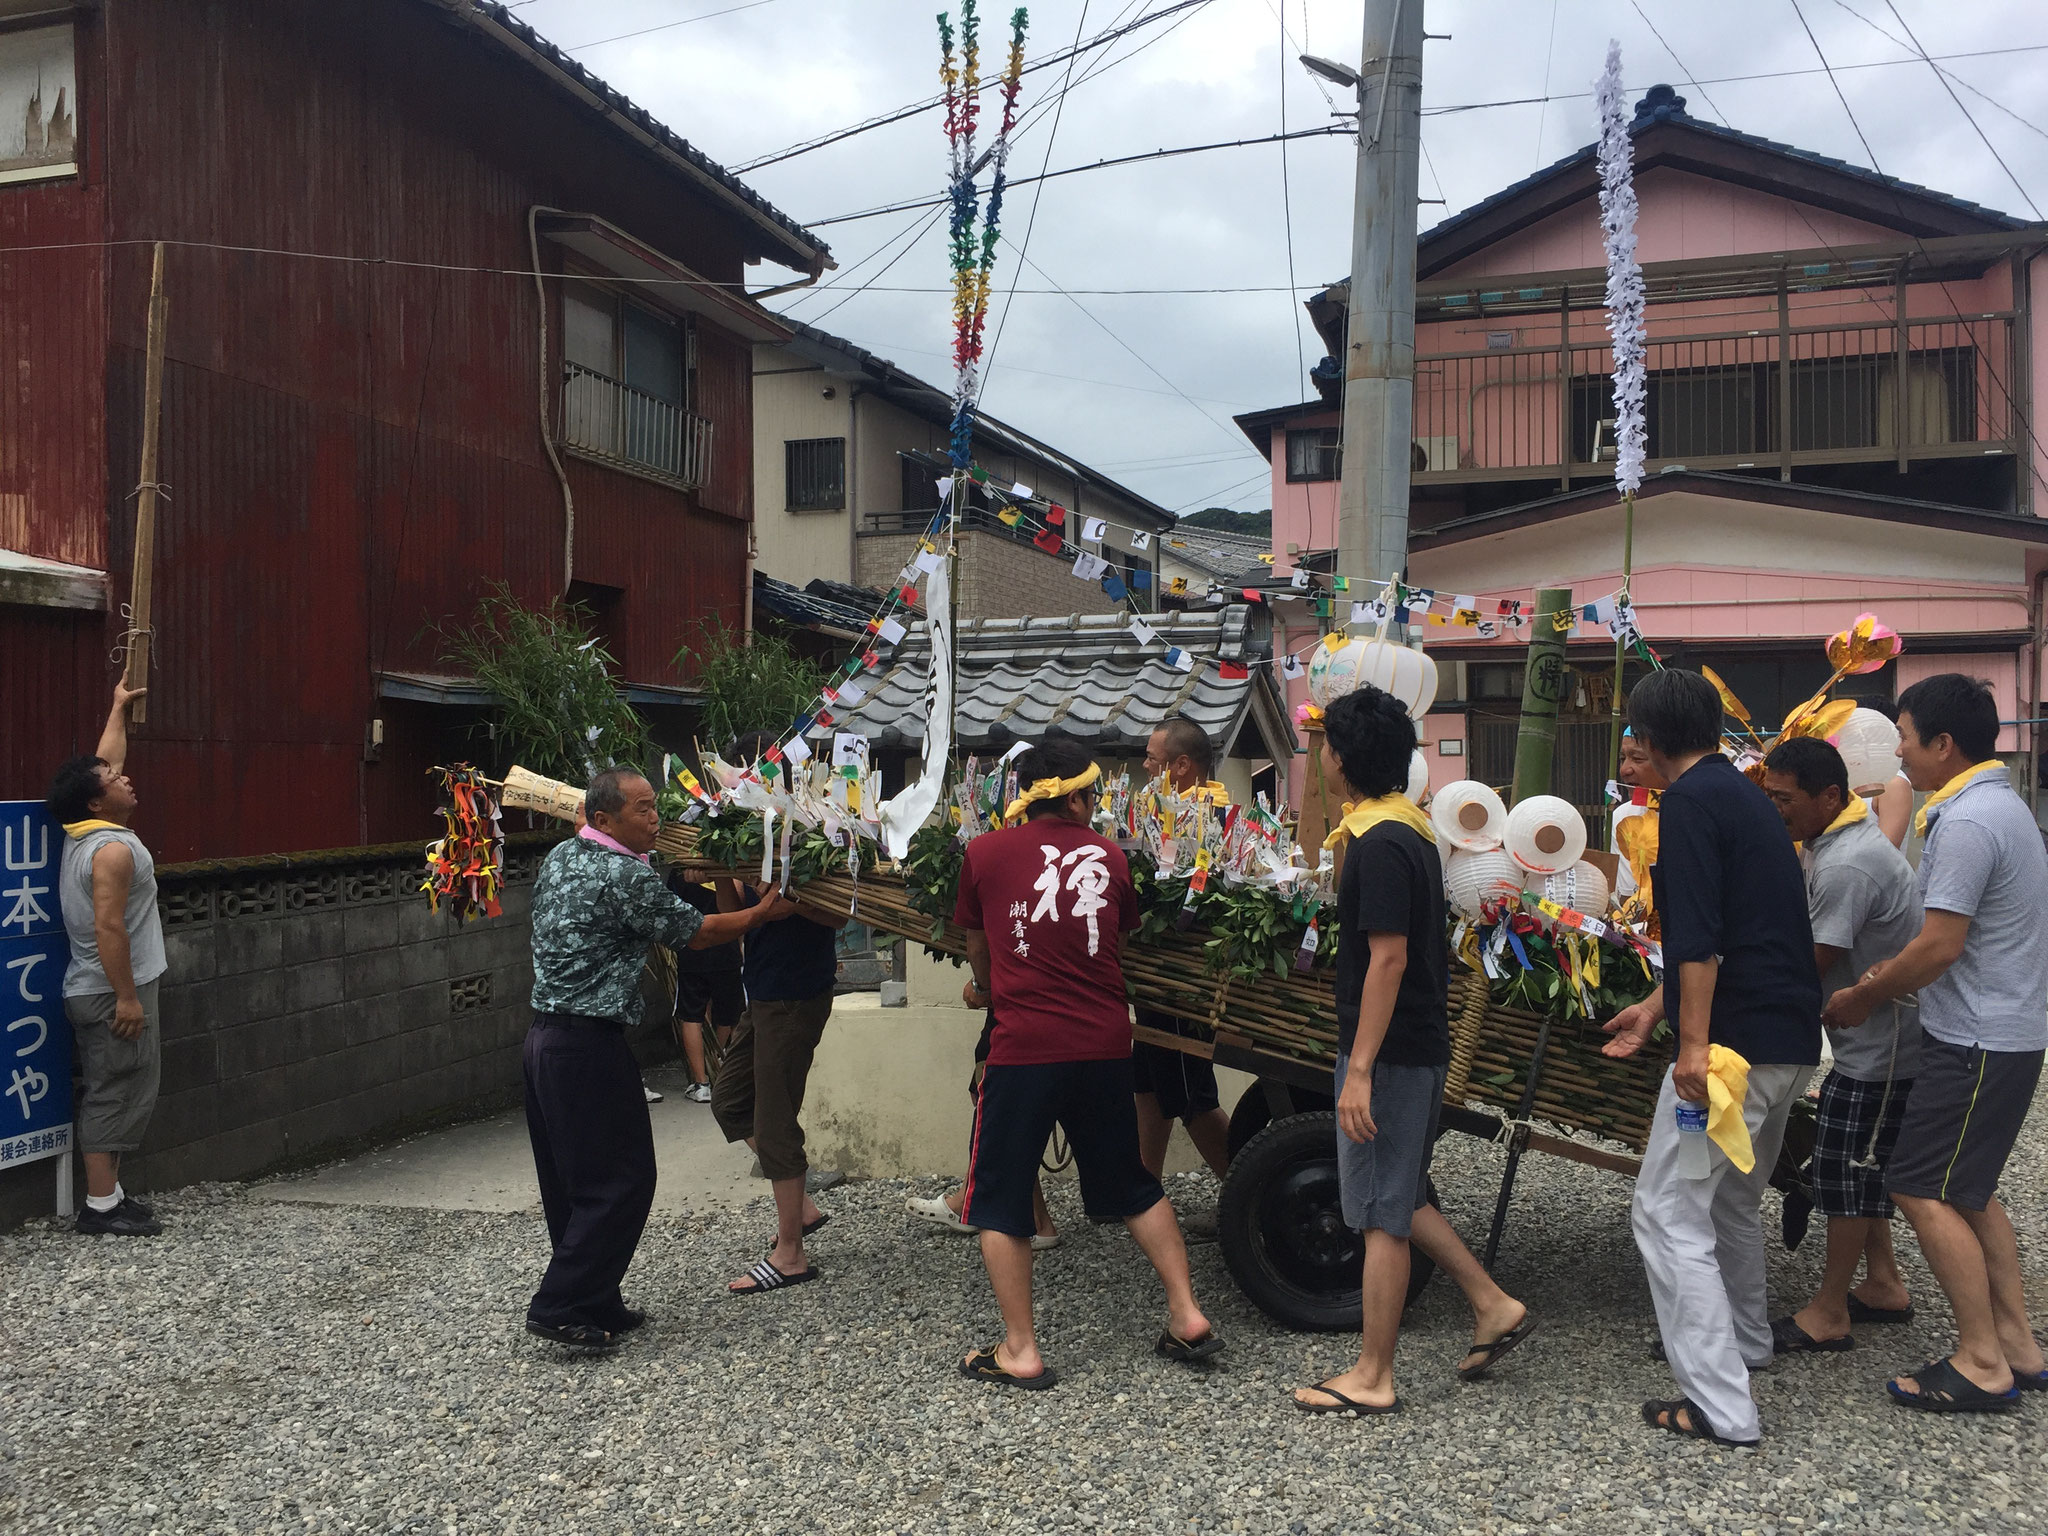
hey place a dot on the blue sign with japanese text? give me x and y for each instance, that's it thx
(35, 1037)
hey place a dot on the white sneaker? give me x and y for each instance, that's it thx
(698, 1093)
(652, 1096)
(938, 1213)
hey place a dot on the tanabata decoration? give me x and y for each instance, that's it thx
(1869, 744)
(466, 868)
(1342, 666)
(1469, 816)
(1545, 834)
(1473, 881)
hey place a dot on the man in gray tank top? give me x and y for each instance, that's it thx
(107, 886)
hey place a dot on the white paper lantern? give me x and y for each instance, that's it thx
(1545, 834)
(1869, 745)
(1582, 888)
(1469, 815)
(1473, 879)
(1418, 778)
(1409, 675)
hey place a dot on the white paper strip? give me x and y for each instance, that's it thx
(1140, 541)
(1090, 567)
(1291, 667)
(945, 489)
(797, 750)
(891, 632)
(852, 691)
(903, 813)
(1145, 633)
(1298, 577)
(1021, 491)
(928, 560)
(1092, 530)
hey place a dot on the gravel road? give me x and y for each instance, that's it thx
(268, 1367)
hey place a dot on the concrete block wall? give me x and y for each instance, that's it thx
(1000, 578)
(315, 1008)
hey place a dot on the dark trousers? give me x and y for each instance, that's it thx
(593, 1151)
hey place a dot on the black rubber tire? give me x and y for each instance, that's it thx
(1282, 1232)
(1254, 1111)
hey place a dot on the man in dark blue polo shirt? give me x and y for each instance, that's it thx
(1738, 974)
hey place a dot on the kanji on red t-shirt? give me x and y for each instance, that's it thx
(1055, 900)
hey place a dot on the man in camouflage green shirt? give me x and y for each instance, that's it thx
(596, 907)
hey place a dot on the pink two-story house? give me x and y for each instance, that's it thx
(1841, 387)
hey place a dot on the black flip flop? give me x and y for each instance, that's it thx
(767, 1277)
(1944, 1389)
(581, 1336)
(1664, 1416)
(1188, 1351)
(1490, 1353)
(1788, 1338)
(983, 1365)
(2038, 1382)
(1342, 1404)
(1863, 1312)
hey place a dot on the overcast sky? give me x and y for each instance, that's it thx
(1143, 385)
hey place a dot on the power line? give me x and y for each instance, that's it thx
(1967, 116)
(1700, 87)
(1287, 216)
(1095, 165)
(915, 108)
(664, 26)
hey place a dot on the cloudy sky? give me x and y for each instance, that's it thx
(1141, 381)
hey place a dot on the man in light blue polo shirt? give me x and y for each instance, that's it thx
(1980, 965)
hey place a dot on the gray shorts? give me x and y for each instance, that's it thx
(1385, 1181)
(1962, 1118)
(117, 1079)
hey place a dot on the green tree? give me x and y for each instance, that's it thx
(758, 687)
(555, 707)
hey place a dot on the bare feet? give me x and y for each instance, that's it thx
(1021, 1360)
(1881, 1296)
(1492, 1325)
(1822, 1324)
(789, 1258)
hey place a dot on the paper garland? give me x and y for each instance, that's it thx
(1624, 275)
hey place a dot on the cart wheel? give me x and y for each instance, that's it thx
(1281, 1228)
(1254, 1111)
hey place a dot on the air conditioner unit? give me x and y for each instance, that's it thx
(1439, 453)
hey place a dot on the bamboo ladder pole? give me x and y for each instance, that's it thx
(138, 635)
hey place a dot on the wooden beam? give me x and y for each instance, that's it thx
(145, 496)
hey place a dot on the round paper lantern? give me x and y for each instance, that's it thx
(1582, 888)
(1418, 778)
(1869, 744)
(1473, 879)
(1545, 834)
(1409, 675)
(1469, 815)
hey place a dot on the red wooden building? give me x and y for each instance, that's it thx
(444, 309)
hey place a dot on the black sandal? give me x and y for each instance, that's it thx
(1342, 1404)
(1944, 1389)
(1490, 1353)
(1664, 1416)
(1188, 1351)
(1788, 1338)
(767, 1277)
(1863, 1312)
(583, 1336)
(983, 1365)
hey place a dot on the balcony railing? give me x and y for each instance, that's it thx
(1726, 400)
(613, 421)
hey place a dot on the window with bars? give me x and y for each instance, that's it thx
(1312, 454)
(814, 470)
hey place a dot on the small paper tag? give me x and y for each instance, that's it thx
(1305, 956)
(929, 560)
(1092, 530)
(891, 632)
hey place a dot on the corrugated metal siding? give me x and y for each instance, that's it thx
(55, 684)
(725, 383)
(352, 450)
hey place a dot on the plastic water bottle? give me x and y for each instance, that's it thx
(1695, 1158)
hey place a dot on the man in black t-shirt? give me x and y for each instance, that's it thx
(1739, 974)
(1393, 1051)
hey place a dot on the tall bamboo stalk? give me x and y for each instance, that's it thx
(1628, 558)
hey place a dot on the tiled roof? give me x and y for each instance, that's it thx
(1661, 104)
(1225, 556)
(837, 609)
(802, 240)
(1085, 678)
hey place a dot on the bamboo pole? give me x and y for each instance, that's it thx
(1543, 689)
(138, 637)
(1628, 558)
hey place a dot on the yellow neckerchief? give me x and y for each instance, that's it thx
(1367, 814)
(1211, 793)
(1858, 809)
(81, 828)
(1950, 790)
(1052, 789)
(1727, 1086)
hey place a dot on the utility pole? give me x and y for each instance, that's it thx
(1379, 354)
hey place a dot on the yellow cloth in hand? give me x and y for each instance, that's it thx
(1367, 814)
(1727, 1087)
(94, 824)
(1950, 790)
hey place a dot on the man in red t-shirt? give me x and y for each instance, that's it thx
(1046, 906)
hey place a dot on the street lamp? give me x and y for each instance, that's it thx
(1331, 70)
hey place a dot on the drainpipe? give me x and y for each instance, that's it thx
(853, 395)
(2034, 690)
(747, 592)
(547, 436)
(769, 293)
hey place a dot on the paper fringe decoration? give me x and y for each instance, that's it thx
(973, 257)
(466, 868)
(1624, 275)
